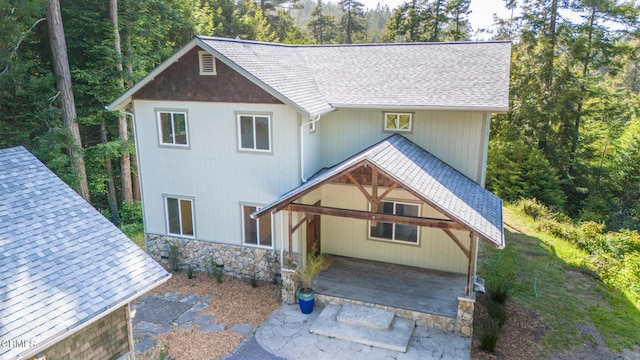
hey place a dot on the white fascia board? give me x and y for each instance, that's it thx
(419, 107)
(125, 98)
(261, 84)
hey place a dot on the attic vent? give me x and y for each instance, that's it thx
(207, 63)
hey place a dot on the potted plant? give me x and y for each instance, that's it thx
(306, 275)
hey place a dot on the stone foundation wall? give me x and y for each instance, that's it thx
(238, 261)
(107, 338)
(464, 320)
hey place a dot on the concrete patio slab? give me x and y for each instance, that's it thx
(366, 316)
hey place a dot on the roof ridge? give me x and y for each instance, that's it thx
(311, 46)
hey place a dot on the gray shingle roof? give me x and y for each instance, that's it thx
(62, 263)
(472, 76)
(428, 177)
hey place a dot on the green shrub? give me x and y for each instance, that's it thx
(497, 312)
(174, 257)
(532, 208)
(190, 272)
(132, 230)
(217, 273)
(489, 335)
(131, 213)
(498, 291)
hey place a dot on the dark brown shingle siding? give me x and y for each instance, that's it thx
(182, 82)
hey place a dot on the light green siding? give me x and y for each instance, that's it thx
(349, 237)
(455, 137)
(211, 170)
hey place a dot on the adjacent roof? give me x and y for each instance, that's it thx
(427, 177)
(318, 78)
(63, 263)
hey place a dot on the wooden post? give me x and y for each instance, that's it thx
(374, 193)
(290, 240)
(470, 256)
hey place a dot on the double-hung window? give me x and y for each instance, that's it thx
(397, 121)
(254, 132)
(179, 216)
(256, 232)
(396, 232)
(173, 128)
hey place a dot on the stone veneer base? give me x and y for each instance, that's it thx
(237, 260)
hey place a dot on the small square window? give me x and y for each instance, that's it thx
(397, 121)
(396, 232)
(254, 132)
(179, 212)
(173, 128)
(207, 63)
(256, 232)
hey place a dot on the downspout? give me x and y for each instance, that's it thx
(311, 121)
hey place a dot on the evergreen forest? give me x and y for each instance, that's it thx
(571, 139)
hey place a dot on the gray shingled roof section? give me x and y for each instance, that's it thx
(430, 178)
(435, 75)
(62, 263)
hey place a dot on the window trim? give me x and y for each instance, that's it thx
(191, 200)
(242, 223)
(186, 127)
(239, 131)
(201, 55)
(398, 114)
(393, 231)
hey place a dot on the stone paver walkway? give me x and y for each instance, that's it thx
(286, 334)
(159, 314)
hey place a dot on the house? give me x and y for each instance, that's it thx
(253, 154)
(67, 275)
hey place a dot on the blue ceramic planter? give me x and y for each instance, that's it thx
(306, 301)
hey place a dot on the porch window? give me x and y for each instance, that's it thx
(256, 232)
(254, 132)
(397, 121)
(173, 128)
(396, 232)
(179, 216)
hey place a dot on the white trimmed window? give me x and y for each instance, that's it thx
(397, 121)
(173, 128)
(207, 63)
(396, 232)
(179, 216)
(254, 132)
(256, 232)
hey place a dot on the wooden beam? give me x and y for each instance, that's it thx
(366, 215)
(305, 218)
(467, 288)
(389, 189)
(455, 239)
(357, 184)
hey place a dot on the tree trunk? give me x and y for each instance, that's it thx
(67, 101)
(111, 188)
(123, 129)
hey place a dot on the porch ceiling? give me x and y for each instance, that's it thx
(407, 165)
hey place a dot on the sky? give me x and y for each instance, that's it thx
(481, 11)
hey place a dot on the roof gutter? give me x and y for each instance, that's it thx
(53, 340)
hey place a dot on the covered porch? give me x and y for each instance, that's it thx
(454, 209)
(392, 285)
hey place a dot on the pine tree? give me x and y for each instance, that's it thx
(352, 24)
(321, 25)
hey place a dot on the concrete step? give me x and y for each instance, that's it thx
(366, 316)
(395, 338)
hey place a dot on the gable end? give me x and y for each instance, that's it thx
(182, 81)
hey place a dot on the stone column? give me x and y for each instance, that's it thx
(464, 320)
(289, 286)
